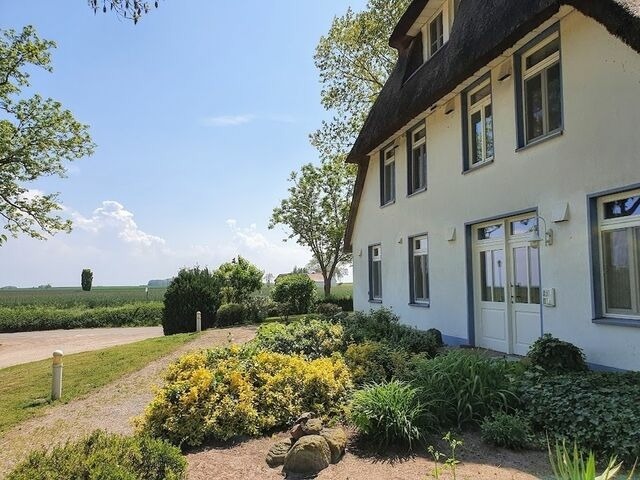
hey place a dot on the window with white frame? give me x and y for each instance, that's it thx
(419, 270)
(480, 124)
(541, 85)
(388, 175)
(375, 272)
(417, 167)
(436, 33)
(619, 230)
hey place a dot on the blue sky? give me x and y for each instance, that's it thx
(199, 112)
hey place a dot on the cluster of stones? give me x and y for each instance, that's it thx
(310, 448)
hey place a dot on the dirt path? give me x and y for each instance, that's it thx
(110, 408)
(24, 347)
(478, 462)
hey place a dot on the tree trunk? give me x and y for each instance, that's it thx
(327, 286)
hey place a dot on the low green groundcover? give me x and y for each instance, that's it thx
(105, 456)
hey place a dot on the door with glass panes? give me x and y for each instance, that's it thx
(507, 284)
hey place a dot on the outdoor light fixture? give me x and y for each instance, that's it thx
(538, 239)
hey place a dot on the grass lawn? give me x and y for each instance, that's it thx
(25, 389)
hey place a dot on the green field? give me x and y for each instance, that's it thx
(66, 297)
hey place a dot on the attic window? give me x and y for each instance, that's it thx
(435, 33)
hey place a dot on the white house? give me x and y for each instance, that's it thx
(498, 188)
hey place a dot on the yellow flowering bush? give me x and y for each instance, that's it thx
(229, 392)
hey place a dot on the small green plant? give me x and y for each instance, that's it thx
(372, 362)
(506, 430)
(387, 413)
(103, 455)
(451, 462)
(571, 465)
(556, 356)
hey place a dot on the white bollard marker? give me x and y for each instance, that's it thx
(198, 322)
(56, 385)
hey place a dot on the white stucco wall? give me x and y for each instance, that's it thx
(598, 151)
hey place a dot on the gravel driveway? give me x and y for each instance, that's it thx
(24, 347)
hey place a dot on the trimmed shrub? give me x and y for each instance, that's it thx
(296, 290)
(556, 356)
(309, 337)
(230, 392)
(328, 310)
(191, 291)
(345, 303)
(34, 318)
(105, 456)
(383, 325)
(387, 413)
(230, 314)
(506, 430)
(436, 335)
(598, 410)
(460, 388)
(375, 362)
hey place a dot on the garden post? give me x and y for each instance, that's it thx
(56, 385)
(198, 322)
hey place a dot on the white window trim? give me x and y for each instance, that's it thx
(375, 258)
(479, 106)
(609, 224)
(447, 21)
(528, 73)
(389, 161)
(418, 253)
(415, 144)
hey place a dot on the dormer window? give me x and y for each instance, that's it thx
(436, 33)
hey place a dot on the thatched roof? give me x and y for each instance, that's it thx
(482, 31)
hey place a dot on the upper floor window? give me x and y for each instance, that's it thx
(419, 269)
(388, 175)
(417, 166)
(375, 272)
(436, 33)
(540, 84)
(619, 227)
(480, 124)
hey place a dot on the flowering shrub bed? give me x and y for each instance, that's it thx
(224, 393)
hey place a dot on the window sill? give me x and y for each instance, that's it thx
(420, 305)
(388, 204)
(542, 139)
(477, 166)
(413, 194)
(619, 322)
(374, 300)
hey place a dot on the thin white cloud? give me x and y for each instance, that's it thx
(113, 216)
(228, 120)
(237, 120)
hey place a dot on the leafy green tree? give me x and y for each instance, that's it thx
(130, 9)
(193, 290)
(239, 278)
(316, 213)
(37, 136)
(354, 60)
(296, 291)
(86, 279)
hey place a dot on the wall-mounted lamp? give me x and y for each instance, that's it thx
(505, 71)
(450, 107)
(538, 239)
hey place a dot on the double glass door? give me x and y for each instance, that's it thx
(507, 286)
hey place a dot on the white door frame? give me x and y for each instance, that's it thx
(500, 321)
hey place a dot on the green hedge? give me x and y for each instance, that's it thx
(33, 318)
(105, 456)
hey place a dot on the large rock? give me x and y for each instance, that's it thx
(309, 455)
(278, 452)
(337, 440)
(313, 426)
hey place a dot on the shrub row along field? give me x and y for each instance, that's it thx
(33, 318)
(75, 297)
